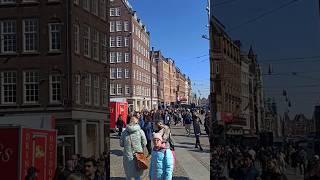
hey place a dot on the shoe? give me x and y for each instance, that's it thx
(201, 149)
(196, 147)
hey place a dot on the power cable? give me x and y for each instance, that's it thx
(224, 3)
(263, 15)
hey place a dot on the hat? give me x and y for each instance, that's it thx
(157, 136)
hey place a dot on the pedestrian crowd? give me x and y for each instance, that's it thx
(148, 144)
(266, 163)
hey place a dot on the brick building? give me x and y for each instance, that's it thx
(53, 66)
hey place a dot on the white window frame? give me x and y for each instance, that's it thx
(33, 33)
(113, 57)
(118, 26)
(11, 86)
(35, 83)
(112, 41)
(126, 57)
(76, 33)
(125, 26)
(119, 57)
(112, 12)
(119, 89)
(77, 88)
(127, 90)
(50, 36)
(126, 73)
(86, 41)
(87, 91)
(126, 41)
(11, 36)
(113, 89)
(119, 73)
(112, 25)
(95, 45)
(113, 73)
(117, 10)
(58, 83)
(119, 41)
(96, 90)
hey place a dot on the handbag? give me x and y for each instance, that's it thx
(141, 160)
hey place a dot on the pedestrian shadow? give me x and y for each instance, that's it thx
(117, 178)
(180, 178)
(116, 152)
(185, 147)
(198, 151)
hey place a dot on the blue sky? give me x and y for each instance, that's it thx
(176, 27)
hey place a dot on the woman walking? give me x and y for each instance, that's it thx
(133, 140)
(197, 130)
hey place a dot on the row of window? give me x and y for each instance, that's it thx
(117, 73)
(139, 32)
(119, 41)
(141, 91)
(30, 36)
(117, 89)
(115, 11)
(117, 57)
(117, 26)
(96, 7)
(141, 63)
(140, 48)
(92, 41)
(140, 76)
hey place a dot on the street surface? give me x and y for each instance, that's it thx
(191, 163)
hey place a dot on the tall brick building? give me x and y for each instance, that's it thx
(53, 66)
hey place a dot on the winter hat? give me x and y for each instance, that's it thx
(157, 136)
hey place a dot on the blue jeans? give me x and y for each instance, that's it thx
(136, 178)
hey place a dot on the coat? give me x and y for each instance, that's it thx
(196, 128)
(148, 129)
(161, 164)
(135, 134)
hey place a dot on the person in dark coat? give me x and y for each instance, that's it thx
(197, 130)
(273, 172)
(69, 169)
(148, 129)
(120, 124)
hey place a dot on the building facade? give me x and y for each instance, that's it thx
(245, 110)
(130, 65)
(54, 72)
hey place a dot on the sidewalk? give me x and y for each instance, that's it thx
(191, 164)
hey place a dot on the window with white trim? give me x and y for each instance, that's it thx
(76, 31)
(87, 92)
(113, 57)
(119, 26)
(112, 12)
(30, 35)
(8, 87)
(112, 25)
(31, 86)
(127, 90)
(86, 4)
(119, 41)
(95, 7)
(104, 91)
(8, 36)
(113, 89)
(126, 41)
(126, 26)
(119, 89)
(104, 48)
(7, 1)
(134, 90)
(55, 88)
(126, 73)
(112, 41)
(113, 73)
(126, 57)
(117, 10)
(96, 90)
(95, 45)
(86, 41)
(54, 37)
(119, 57)
(119, 73)
(77, 88)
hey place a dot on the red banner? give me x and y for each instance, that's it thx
(9, 153)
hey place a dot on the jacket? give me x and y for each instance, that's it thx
(120, 123)
(187, 119)
(196, 128)
(161, 164)
(133, 140)
(148, 129)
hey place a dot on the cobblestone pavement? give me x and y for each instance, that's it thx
(191, 163)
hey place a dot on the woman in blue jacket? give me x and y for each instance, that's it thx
(162, 160)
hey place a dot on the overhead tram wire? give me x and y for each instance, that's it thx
(224, 3)
(263, 15)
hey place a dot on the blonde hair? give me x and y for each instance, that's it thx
(134, 118)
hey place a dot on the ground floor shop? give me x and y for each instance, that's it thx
(142, 103)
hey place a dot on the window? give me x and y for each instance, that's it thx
(95, 7)
(95, 45)
(112, 12)
(86, 4)
(119, 57)
(105, 91)
(119, 73)
(86, 41)
(96, 90)
(8, 87)
(126, 25)
(127, 89)
(113, 89)
(112, 26)
(76, 2)
(87, 84)
(104, 48)
(112, 41)
(8, 36)
(134, 90)
(119, 25)
(112, 57)
(31, 86)
(76, 38)
(77, 88)
(119, 89)
(55, 37)
(7, 1)
(126, 57)
(30, 35)
(119, 41)
(126, 73)
(113, 73)
(55, 88)
(217, 69)
(126, 41)
(117, 10)
(103, 9)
